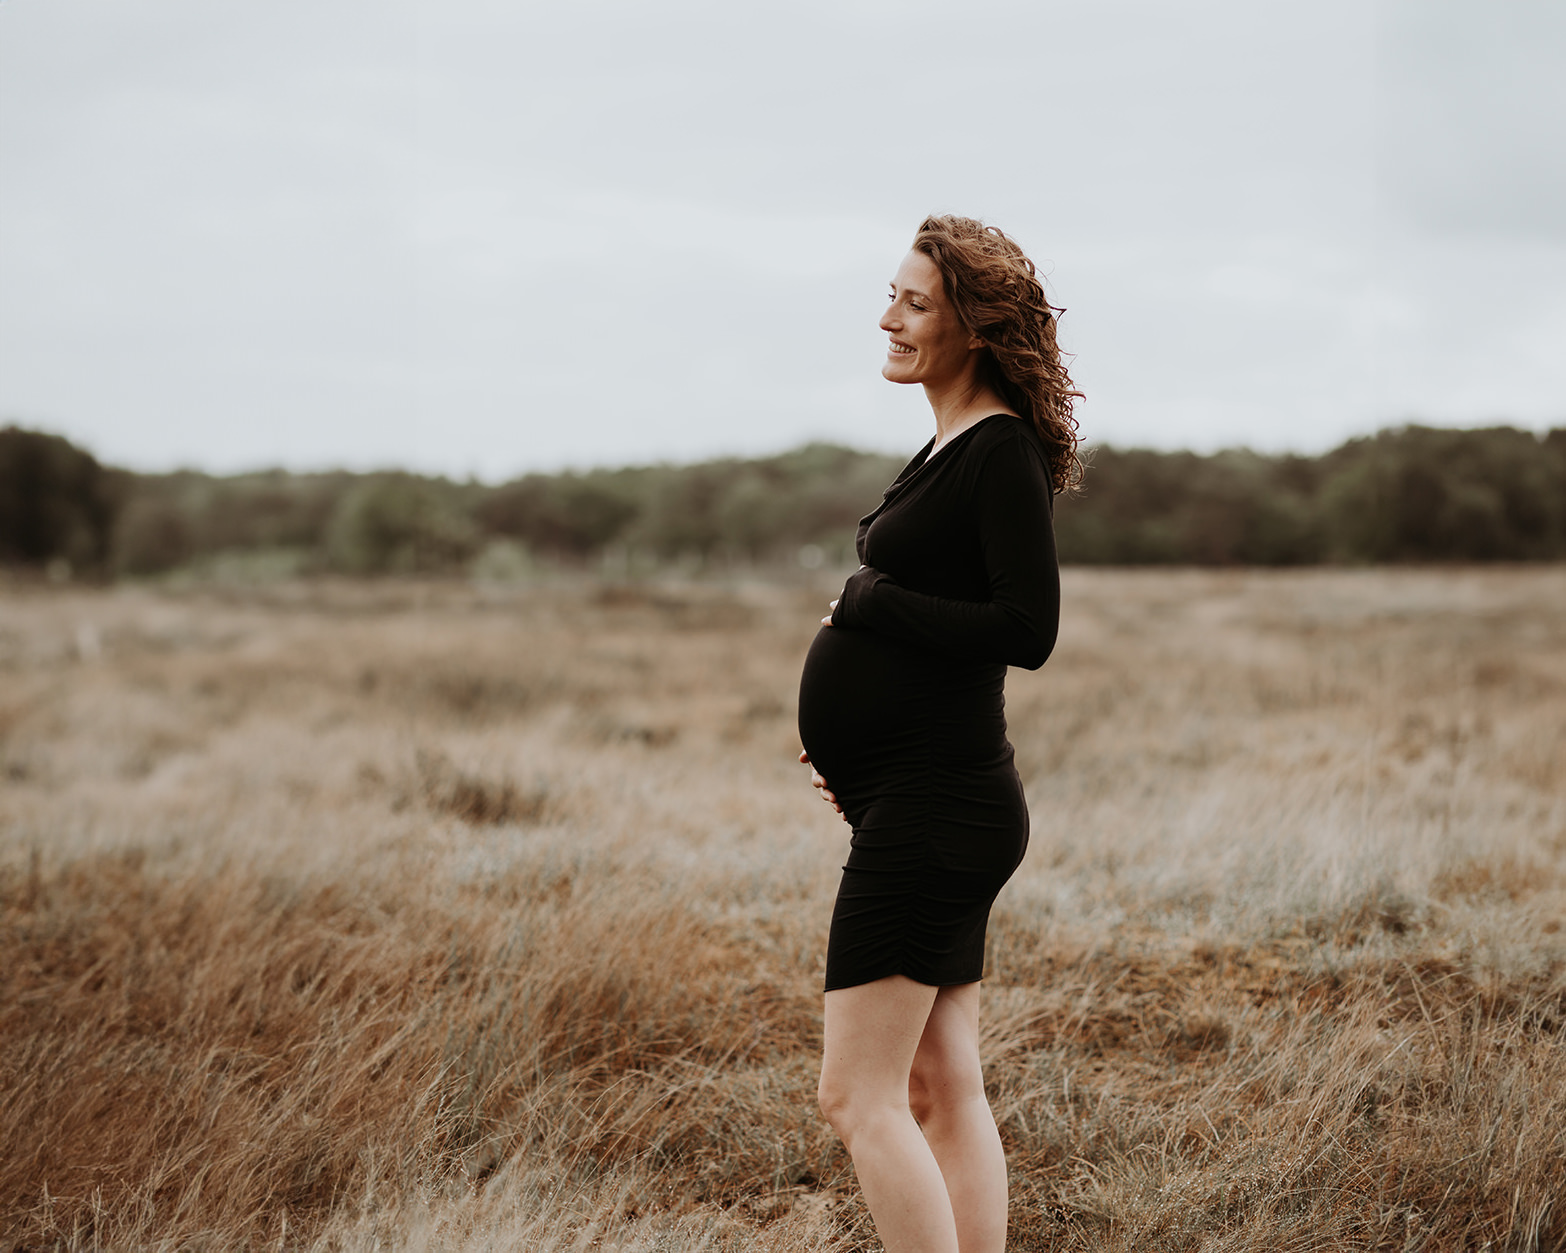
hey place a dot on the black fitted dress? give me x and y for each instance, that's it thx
(901, 706)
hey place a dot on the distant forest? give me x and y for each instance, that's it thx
(1410, 494)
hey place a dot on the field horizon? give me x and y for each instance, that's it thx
(345, 915)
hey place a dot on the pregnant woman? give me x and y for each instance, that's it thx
(901, 714)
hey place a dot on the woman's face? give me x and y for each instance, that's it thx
(929, 344)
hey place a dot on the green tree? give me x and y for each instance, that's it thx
(568, 514)
(1425, 494)
(154, 534)
(398, 524)
(56, 502)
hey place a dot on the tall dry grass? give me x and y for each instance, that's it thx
(358, 917)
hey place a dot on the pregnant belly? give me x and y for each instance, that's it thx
(875, 714)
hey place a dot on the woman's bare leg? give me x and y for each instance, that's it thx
(946, 1094)
(872, 1033)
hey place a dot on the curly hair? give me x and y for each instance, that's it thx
(996, 292)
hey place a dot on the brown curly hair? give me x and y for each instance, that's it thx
(996, 292)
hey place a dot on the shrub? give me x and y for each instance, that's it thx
(56, 502)
(398, 524)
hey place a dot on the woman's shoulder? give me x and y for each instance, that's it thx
(1007, 431)
(999, 427)
(1010, 462)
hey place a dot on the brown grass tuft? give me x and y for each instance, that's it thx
(473, 798)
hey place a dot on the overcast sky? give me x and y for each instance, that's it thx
(485, 236)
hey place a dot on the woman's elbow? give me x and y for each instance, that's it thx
(1032, 659)
(1032, 649)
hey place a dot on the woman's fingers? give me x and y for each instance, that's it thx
(827, 794)
(827, 621)
(816, 781)
(815, 775)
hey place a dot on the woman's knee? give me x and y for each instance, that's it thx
(849, 1108)
(835, 1100)
(921, 1100)
(940, 1081)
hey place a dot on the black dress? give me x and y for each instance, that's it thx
(901, 706)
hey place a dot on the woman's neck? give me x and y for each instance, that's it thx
(960, 404)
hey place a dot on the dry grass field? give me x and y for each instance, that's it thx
(382, 916)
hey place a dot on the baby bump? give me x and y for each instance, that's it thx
(859, 703)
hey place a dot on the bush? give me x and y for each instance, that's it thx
(56, 502)
(1422, 494)
(568, 514)
(1411, 494)
(153, 535)
(398, 524)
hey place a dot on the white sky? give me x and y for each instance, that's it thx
(485, 236)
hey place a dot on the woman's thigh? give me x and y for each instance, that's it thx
(946, 1065)
(871, 1033)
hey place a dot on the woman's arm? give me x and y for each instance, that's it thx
(1017, 625)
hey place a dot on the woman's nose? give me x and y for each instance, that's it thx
(889, 320)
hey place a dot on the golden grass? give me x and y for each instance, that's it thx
(417, 916)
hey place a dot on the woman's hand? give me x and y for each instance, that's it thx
(827, 621)
(827, 794)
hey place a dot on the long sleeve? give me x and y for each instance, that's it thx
(1018, 624)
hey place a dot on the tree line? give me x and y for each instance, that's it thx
(1409, 494)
